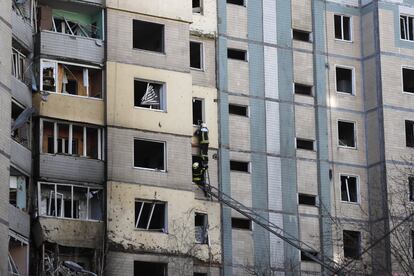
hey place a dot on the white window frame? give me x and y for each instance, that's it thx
(199, 10)
(355, 134)
(406, 26)
(18, 64)
(163, 95)
(153, 202)
(358, 191)
(60, 216)
(203, 108)
(202, 54)
(149, 169)
(207, 227)
(56, 73)
(353, 80)
(100, 142)
(402, 77)
(342, 28)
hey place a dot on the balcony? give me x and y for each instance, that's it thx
(69, 232)
(19, 221)
(21, 157)
(21, 92)
(22, 30)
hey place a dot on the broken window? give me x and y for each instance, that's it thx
(408, 80)
(305, 258)
(305, 144)
(239, 166)
(18, 261)
(196, 55)
(346, 134)
(70, 201)
(150, 269)
(148, 36)
(237, 54)
(352, 244)
(236, 2)
(198, 111)
(70, 139)
(349, 188)
(71, 79)
(303, 89)
(301, 35)
(407, 27)
(344, 80)
(18, 64)
(238, 110)
(342, 27)
(411, 187)
(305, 199)
(197, 6)
(201, 228)
(241, 223)
(21, 127)
(149, 95)
(150, 215)
(409, 133)
(149, 154)
(18, 185)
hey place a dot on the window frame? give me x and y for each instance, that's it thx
(149, 169)
(201, 12)
(244, 3)
(401, 14)
(163, 51)
(359, 244)
(351, 35)
(153, 202)
(352, 68)
(358, 191)
(165, 264)
(39, 197)
(202, 55)
(251, 223)
(355, 134)
(308, 140)
(203, 109)
(163, 95)
(240, 105)
(405, 131)
(249, 171)
(207, 227)
(246, 59)
(309, 33)
(305, 85)
(18, 67)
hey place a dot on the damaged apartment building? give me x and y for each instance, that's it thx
(308, 105)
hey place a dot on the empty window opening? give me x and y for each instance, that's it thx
(342, 27)
(344, 80)
(21, 126)
(201, 228)
(149, 154)
(18, 262)
(349, 188)
(409, 133)
(303, 89)
(236, 2)
(196, 55)
(148, 36)
(301, 35)
(198, 111)
(149, 95)
(71, 79)
(304, 257)
(69, 201)
(237, 54)
(408, 80)
(352, 244)
(70, 139)
(307, 199)
(18, 64)
(305, 144)
(150, 269)
(407, 27)
(411, 188)
(197, 6)
(18, 187)
(238, 110)
(199, 274)
(241, 223)
(346, 134)
(239, 166)
(150, 215)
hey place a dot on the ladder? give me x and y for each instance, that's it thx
(330, 265)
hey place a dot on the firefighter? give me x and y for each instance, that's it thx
(203, 143)
(198, 173)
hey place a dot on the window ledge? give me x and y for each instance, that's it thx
(150, 109)
(71, 155)
(151, 170)
(150, 231)
(408, 93)
(346, 147)
(345, 93)
(71, 95)
(149, 51)
(64, 218)
(197, 69)
(72, 36)
(351, 203)
(343, 40)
